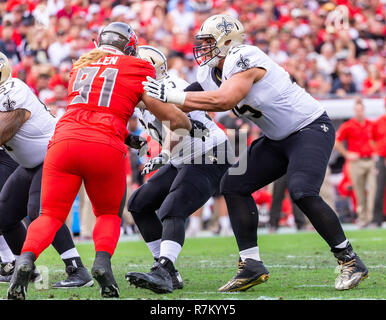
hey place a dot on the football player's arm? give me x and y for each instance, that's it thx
(231, 92)
(11, 122)
(167, 112)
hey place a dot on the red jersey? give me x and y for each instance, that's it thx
(101, 99)
(358, 136)
(379, 135)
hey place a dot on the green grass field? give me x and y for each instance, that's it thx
(300, 264)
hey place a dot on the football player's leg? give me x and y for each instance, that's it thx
(308, 152)
(59, 189)
(191, 189)
(144, 202)
(264, 164)
(63, 243)
(13, 208)
(104, 176)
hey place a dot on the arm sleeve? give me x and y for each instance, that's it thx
(195, 86)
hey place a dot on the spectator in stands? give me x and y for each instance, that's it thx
(7, 43)
(343, 85)
(326, 60)
(373, 84)
(59, 50)
(181, 19)
(62, 77)
(379, 136)
(357, 132)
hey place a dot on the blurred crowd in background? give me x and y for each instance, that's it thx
(333, 49)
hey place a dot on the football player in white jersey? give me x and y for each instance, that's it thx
(189, 174)
(7, 166)
(298, 138)
(26, 126)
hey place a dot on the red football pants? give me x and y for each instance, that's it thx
(67, 163)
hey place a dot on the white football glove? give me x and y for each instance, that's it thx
(158, 90)
(156, 163)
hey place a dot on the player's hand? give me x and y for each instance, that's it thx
(199, 130)
(137, 142)
(155, 163)
(157, 89)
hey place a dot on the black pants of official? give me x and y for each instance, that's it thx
(304, 157)
(20, 198)
(174, 193)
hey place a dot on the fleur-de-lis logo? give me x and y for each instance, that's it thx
(243, 63)
(324, 127)
(9, 104)
(225, 26)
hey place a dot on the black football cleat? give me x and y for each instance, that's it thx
(251, 272)
(23, 271)
(176, 277)
(6, 271)
(352, 269)
(176, 280)
(78, 277)
(102, 272)
(157, 280)
(8, 268)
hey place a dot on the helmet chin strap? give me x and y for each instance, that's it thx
(213, 63)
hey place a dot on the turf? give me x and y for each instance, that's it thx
(301, 267)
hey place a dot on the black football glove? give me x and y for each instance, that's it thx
(137, 142)
(155, 163)
(199, 130)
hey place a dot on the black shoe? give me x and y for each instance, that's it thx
(157, 280)
(21, 276)
(78, 277)
(251, 272)
(176, 277)
(8, 268)
(352, 269)
(101, 271)
(6, 271)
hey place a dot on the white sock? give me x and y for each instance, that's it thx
(72, 253)
(154, 247)
(342, 245)
(5, 252)
(224, 223)
(251, 253)
(170, 249)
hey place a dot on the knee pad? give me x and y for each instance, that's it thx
(299, 192)
(141, 200)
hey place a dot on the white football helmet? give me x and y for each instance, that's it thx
(156, 58)
(5, 68)
(226, 32)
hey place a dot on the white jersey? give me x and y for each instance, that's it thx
(190, 148)
(275, 103)
(28, 146)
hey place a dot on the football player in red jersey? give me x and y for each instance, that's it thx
(88, 144)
